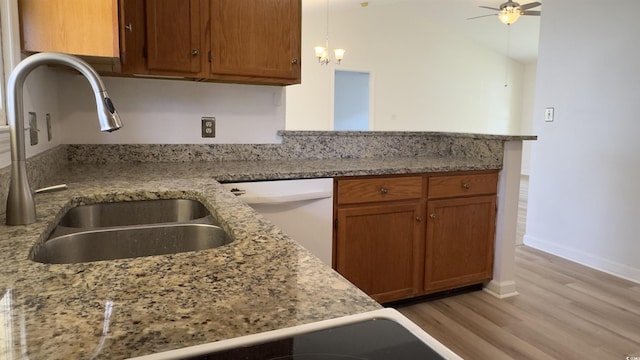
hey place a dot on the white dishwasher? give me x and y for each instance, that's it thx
(302, 209)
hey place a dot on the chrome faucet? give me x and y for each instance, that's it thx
(21, 208)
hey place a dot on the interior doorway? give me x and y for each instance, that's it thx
(351, 100)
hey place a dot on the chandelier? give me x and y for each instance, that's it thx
(322, 52)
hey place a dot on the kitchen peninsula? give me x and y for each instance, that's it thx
(261, 281)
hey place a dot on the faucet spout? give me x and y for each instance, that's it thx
(21, 209)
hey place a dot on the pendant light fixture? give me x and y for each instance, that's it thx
(322, 52)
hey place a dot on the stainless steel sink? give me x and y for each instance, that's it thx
(129, 229)
(133, 213)
(130, 242)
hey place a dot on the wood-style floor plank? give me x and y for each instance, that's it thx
(564, 311)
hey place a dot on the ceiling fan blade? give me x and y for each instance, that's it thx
(534, 13)
(481, 16)
(490, 8)
(530, 5)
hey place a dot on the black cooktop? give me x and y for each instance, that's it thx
(376, 339)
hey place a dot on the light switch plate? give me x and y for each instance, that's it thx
(548, 114)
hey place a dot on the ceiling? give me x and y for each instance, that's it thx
(453, 14)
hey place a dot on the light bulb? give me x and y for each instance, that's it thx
(321, 51)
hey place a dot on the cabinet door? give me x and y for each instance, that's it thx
(174, 36)
(459, 246)
(79, 27)
(132, 36)
(378, 249)
(259, 38)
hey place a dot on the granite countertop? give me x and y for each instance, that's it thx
(130, 307)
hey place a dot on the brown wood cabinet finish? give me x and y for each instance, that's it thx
(354, 191)
(459, 242)
(444, 223)
(462, 185)
(242, 41)
(256, 38)
(46, 26)
(378, 249)
(174, 30)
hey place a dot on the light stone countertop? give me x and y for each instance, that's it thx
(130, 307)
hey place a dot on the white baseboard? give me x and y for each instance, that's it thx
(501, 290)
(593, 261)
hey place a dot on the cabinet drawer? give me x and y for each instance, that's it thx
(352, 191)
(462, 185)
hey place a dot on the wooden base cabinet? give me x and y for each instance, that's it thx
(378, 234)
(398, 237)
(378, 249)
(459, 242)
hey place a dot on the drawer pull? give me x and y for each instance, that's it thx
(195, 52)
(433, 216)
(466, 186)
(419, 219)
(384, 191)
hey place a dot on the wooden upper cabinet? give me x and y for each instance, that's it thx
(258, 38)
(132, 36)
(78, 27)
(245, 41)
(174, 36)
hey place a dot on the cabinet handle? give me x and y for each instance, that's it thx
(384, 191)
(294, 61)
(433, 216)
(419, 219)
(466, 186)
(195, 52)
(129, 27)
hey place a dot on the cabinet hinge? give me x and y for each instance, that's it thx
(335, 224)
(209, 55)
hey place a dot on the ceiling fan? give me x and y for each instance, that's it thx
(510, 11)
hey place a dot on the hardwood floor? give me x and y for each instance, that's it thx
(564, 311)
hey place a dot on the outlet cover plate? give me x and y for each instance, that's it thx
(208, 127)
(33, 128)
(49, 132)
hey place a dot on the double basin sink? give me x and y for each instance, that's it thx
(129, 229)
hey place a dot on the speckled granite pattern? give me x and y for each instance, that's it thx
(307, 145)
(40, 168)
(261, 281)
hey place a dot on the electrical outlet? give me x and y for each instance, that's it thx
(208, 127)
(33, 128)
(548, 114)
(49, 132)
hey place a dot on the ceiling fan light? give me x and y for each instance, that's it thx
(508, 15)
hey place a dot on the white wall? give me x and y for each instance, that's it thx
(584, 202)
(526, 127)
(425, 75)
(157, 111)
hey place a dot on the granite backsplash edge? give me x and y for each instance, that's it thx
(295, 145)
(304, 145)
